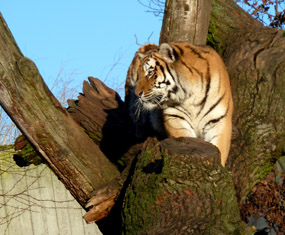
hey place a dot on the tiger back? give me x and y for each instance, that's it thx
(183, 90)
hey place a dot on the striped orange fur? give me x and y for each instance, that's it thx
(181, 90)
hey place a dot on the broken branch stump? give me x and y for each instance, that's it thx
(180, 187)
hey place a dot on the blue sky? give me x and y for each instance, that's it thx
(81, 38)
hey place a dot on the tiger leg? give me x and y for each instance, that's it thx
(220, 136)
(177, 127)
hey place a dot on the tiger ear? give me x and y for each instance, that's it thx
(167, 52)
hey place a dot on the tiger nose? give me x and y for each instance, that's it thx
(139, 93)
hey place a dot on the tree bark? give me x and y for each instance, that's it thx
(255, 59)
(70, 153)
(180, 187)
(186, 20)
(102, 114)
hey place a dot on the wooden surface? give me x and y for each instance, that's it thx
(186, 21)
(70, 153)
(104, 118)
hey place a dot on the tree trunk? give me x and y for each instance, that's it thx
(255, 58)
(186, 20)
(75, 159)
(180, 187)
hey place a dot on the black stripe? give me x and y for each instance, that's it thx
(198, 71)
(178, 83)
(213, 121)
(173, 91)
(208, 80)
(162, 70)
(179, 49)
(189, 68)
(182, 53)
(204, 49)
(184, 112)
(175, 81)
(214, 105)
(174, 115)
(195, 52)
(168, 70)
(177, 116)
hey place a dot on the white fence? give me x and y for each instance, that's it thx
(34, 202)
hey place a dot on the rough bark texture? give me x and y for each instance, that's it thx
(103, 115)
(186, 20)
(255, 59)
(75, 159)
(180, 187)
(175, 186)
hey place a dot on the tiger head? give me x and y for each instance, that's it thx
(157, 78)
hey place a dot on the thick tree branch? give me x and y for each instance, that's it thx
(255, 59)
(70, 153)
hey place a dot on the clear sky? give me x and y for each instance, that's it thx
(82, 38)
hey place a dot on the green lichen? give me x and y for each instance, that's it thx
(6, 147)
(27, 156)
(95, 138)
(147, 155)
(212, 38)
(149, 194)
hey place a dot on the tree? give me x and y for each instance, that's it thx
(48, 126)
(192, 27)
(254, 56)
(154, 182)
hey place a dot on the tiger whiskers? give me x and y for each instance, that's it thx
(138, 108)
(157, 100)
(154, 98)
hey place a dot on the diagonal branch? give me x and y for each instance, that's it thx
(70, 153)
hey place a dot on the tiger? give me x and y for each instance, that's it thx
(181, 90)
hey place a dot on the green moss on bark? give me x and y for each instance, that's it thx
(27, 156)
(174, 193)
(213, 39)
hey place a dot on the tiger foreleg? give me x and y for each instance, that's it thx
(176, 127)
(220, 136)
